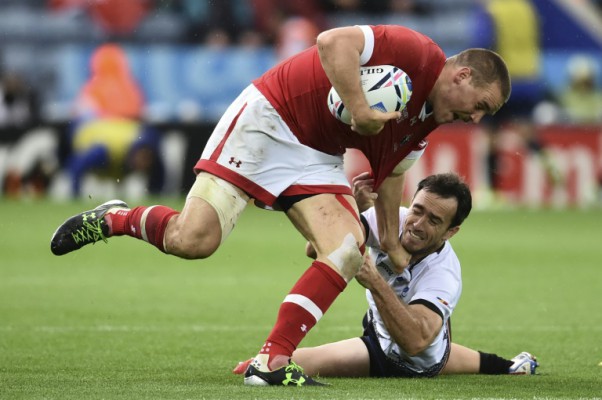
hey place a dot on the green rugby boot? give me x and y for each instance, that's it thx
(290, 375)
(82, 229)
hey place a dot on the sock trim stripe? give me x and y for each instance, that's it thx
(143, 223)
(306, 304)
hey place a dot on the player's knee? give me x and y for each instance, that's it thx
(193, 246)
(209, 222)
(198, 251)
(224, 198)
(191, 241)
(347, 258)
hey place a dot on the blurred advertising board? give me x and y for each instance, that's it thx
(565, 171)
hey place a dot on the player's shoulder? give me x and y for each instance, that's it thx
(446, 258)
(414, 52)
(399, 32)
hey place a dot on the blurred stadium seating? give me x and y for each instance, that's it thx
(188, 80)
(52, 49)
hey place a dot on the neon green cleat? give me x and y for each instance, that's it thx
(290, 375)
(82, 229)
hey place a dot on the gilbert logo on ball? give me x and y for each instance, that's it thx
(386, 87)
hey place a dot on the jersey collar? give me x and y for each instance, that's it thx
(427, 111)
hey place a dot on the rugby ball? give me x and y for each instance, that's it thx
(387, 88)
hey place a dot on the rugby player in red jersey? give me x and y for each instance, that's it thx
(279, 145)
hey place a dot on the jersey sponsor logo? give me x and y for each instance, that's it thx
(381, 262)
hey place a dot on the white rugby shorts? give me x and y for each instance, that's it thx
(253, 148)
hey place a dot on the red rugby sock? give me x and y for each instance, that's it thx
(311, 296)
(146, 223)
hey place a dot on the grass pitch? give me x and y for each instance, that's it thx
(123, 321)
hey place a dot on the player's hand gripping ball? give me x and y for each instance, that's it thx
(387, 88)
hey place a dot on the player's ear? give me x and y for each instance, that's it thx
(461, 74)
(451, 232)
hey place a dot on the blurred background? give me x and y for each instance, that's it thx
(116, 98)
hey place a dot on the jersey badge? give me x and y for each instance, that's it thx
(444, 302)
(403, 141)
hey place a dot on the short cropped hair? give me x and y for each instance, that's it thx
(487, 67)
(449, 185)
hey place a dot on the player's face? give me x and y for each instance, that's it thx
(427, 223)
(460, 100)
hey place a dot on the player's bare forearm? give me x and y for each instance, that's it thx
(387, 216)
(339, 50)
(413, 328)
(409, 326)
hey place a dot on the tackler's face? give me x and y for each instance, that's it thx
(427, 224)
(461, 100)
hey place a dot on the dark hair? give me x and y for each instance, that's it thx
(449, 185)
(487, 67)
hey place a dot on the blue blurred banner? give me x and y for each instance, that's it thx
(179, 82)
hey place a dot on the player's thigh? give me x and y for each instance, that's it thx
(327, 222)
(212, 208)
(347, 358)
(462, 360)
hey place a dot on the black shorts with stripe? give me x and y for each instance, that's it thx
(382, 366)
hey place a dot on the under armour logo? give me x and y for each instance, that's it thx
(85, 217)
(235, 162)
(290, 381)
(303, 328)
(133, 229)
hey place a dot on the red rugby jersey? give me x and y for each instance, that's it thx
(298, 88)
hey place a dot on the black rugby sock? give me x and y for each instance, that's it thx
(492, 364)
